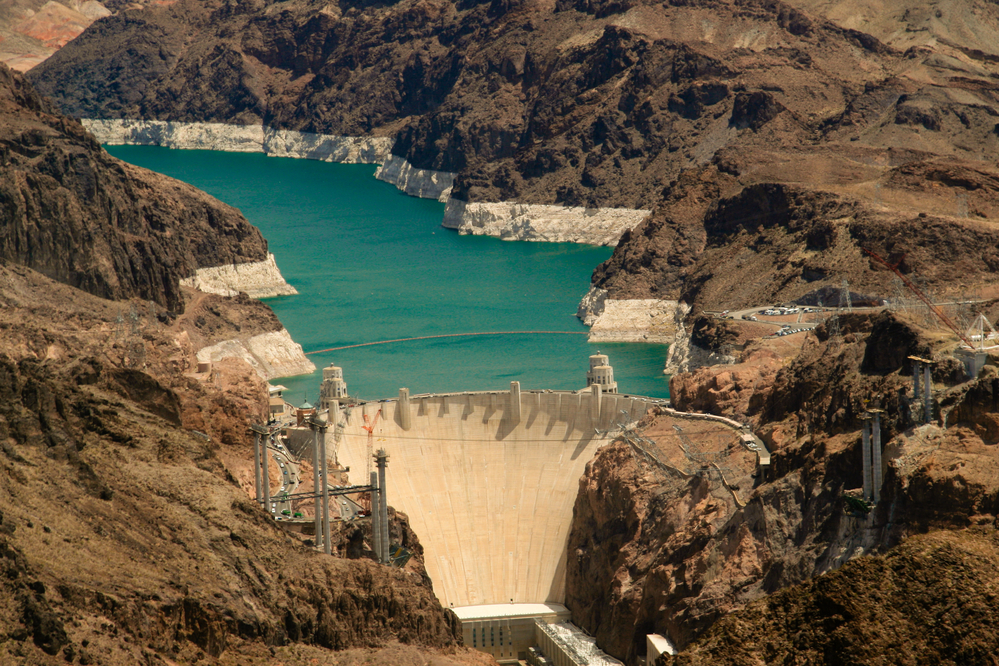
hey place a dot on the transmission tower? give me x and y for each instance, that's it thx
(845, 296)
(898, 298)
(980, 332)
(929, 303)
(832, 325)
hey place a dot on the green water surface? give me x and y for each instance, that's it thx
(371, 263)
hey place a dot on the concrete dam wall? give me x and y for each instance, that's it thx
(488, 481)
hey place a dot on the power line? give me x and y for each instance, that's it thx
(447, 335)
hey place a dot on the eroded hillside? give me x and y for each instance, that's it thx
(574, 103)
(125, 535)
(72, 212)
(654, 552)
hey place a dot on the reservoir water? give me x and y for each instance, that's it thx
(371, 263)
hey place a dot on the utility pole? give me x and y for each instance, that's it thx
(267, 478)
(258, 432)
(876, 458)
(866, 449)
(381, 459)
(376, 540)
(327, 541)
(318, 504)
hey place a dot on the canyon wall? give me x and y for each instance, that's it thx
(655, 552)
(72, 212)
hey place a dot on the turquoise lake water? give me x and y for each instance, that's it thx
(371, 263)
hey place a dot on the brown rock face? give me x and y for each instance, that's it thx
(124, 536)
(77, 215)
(718, 242)
(655, 552)
(581, 103)
(931, 599)
(732, 391)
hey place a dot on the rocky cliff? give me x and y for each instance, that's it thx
(932, 600)
(563, 103)
(125, 535)
(72, 212)
(789, 207)
(670, 553)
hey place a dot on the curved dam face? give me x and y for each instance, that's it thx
(488, 481)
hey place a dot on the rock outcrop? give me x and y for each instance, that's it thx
(72, 212)
(260, 279)
(271, 355)
(567, 104)
(124, 536)
(719, 244)
(933, 598)
(667, 552)
(533, 222)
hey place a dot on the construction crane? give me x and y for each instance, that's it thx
(918, 292)
(369, 425)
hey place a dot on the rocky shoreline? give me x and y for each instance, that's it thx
(240, 139)
(632, 320)
(260, 279)
(271, 355)
(422, 183)
(508, 220)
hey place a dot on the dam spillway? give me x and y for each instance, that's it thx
(488, 480)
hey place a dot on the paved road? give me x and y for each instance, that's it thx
(291, 479)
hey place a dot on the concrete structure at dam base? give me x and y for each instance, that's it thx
(540, 634)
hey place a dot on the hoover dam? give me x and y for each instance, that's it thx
(488, 480)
